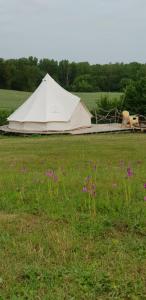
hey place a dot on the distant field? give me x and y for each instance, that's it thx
(91, 98)
(12, 99)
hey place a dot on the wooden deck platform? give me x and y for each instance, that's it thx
(101, 128)
(98, 128)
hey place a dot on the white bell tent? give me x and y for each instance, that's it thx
(50, 108)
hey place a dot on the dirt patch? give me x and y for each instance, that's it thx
(24, 222)
(7, 217)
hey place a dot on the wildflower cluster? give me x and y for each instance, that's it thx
(89, 186)
(51, 174)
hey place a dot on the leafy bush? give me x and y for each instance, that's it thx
(4, 114)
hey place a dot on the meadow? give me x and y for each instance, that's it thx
(12, 99)
(73, 217)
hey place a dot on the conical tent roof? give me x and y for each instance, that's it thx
(49, 103)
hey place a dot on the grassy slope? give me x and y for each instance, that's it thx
(12, 99)
(55, 241)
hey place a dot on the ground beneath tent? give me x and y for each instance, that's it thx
(98, 128)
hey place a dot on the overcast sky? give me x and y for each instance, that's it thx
(98, 31)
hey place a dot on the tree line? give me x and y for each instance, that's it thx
(25, 74)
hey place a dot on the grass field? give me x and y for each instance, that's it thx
(12, 99)
(73, 217)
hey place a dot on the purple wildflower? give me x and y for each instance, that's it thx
(144, 185)
(49, 173)
(89, 187)
(84, 190)
(129, 172)
(144, 198)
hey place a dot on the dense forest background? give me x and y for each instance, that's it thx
(25, 74)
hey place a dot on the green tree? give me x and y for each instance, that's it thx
(83, 83)
(49, 66)
(64, 73)
(134, 98)
(83, 68)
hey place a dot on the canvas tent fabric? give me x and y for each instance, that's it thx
(50, 108)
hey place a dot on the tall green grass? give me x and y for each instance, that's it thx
(72, 222)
